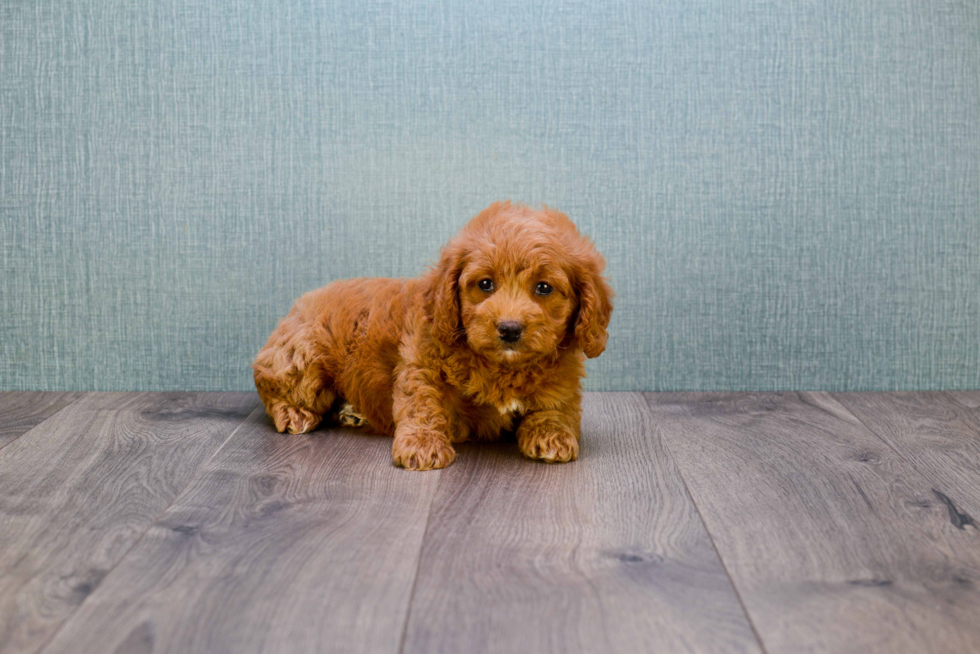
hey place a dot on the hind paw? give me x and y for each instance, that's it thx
(294, 420)
(348, 417)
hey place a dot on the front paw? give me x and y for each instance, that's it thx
(549, 445)
(419, 450)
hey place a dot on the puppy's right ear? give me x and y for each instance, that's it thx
(442, 295)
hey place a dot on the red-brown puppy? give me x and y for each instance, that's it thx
(492, 339)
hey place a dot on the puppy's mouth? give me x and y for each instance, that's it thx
(503, 349)
(510, 352)
(515, 353)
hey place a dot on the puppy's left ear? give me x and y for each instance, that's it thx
(595, 305)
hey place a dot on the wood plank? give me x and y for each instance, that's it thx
(21, 411)
(605, 554)
(283, 543)
(937, 434)
(835, 543)
(966, 398)
(78, 490)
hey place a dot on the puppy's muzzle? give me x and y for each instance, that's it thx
(510, 331)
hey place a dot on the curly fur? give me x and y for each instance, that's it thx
(423, 359)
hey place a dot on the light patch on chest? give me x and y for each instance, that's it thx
(514, 406)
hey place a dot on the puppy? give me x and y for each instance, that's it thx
(491, 340)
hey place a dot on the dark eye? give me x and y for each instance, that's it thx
(485, 285)
(543, 288)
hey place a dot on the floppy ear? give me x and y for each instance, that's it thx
(595, 306)
(442, 296)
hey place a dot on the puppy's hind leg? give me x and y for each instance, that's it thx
(348, 417)
(295, 405)
(292, 381)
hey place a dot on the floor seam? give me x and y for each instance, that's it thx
(418, 565)
(868, 428)
(149, 526)
(70, 403)
(704, 524)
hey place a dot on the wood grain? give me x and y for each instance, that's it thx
(605, 554)
(283, 543)
(937, 434)
(21, 411)
(966, 398)
(78, 490)
(834, 541)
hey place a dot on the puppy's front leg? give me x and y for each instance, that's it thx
(422, 422)
(552, 435)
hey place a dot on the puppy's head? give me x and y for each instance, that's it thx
(516, 284)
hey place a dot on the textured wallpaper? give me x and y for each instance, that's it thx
(788, 193)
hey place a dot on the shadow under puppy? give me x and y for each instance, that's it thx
(491, 340)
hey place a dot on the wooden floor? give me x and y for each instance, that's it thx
(747, 522)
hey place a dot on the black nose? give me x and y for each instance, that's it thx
(510, 331)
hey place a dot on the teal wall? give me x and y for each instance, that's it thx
(788, 193)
